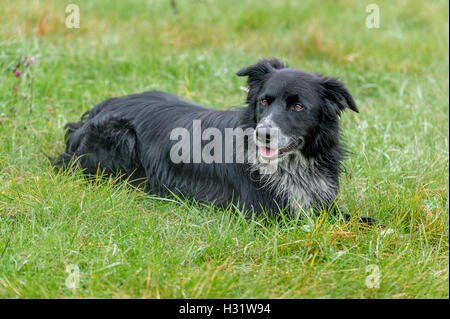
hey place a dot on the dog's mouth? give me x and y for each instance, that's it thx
(277, 153)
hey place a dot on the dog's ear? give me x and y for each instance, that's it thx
(336, 95)
(261, 68)
(257, 74)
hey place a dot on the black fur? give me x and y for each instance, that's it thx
(131, 135)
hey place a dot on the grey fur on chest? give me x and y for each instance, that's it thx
(298, 180)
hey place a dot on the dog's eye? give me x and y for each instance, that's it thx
(264, 101)
(298, 107)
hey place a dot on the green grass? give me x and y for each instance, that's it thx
(129, 244)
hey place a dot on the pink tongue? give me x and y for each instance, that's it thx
(267, 152)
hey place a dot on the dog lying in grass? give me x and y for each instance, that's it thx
(281, 154)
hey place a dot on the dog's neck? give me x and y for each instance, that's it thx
(298, 180)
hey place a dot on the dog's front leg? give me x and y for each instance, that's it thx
(369, 221)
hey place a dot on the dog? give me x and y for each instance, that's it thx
(292, 121)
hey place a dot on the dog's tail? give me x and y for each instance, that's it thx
(67, 158)
(104, 144)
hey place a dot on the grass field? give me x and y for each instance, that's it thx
(115, 241)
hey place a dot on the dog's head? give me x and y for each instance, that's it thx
(290, 108)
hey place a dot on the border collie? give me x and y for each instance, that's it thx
(293, 120)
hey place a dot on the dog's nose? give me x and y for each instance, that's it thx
(263, 134)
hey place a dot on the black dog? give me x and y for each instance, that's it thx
(292, 121)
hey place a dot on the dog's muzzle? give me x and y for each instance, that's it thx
(273, 144)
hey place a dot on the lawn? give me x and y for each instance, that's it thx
(64, 237)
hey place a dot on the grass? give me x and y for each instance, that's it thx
(128, 244)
